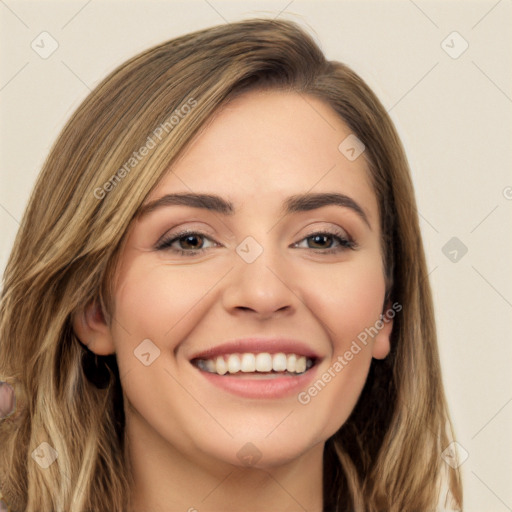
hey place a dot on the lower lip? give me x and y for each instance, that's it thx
(274, 387)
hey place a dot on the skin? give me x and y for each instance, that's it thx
(183, 433)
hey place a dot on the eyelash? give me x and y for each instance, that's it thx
(344, 242)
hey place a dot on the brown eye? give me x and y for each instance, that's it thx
(191, 242)
(321, 241)
(327, 243)
(186, 243)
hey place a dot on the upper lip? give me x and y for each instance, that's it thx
(258, 345)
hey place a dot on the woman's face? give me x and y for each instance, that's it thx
(281, 268)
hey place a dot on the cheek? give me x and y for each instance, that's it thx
(160, 303)
(348, 300)
(152, 301)
(348, 305)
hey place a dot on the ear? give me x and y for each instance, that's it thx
(381, 343)
(92, 330)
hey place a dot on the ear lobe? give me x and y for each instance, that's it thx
(92, 330)
(381, 342)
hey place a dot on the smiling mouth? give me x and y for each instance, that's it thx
(262, 364)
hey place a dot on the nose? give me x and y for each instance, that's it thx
(262, 289)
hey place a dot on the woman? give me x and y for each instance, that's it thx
(218, 296)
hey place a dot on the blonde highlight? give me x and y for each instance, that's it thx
(385, 457)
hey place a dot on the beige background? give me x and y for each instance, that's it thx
(453, 114)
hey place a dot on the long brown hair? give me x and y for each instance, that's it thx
(386, 457)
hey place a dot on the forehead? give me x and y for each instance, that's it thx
(270, 145)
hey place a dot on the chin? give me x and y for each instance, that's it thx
(260, 452)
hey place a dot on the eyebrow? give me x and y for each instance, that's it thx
(293, 204)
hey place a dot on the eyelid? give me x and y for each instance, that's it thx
(173, 237)
(328, 228)
(346, 241)
(176, 232)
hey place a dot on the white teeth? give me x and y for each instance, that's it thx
(291, 362)
(262, 362)
(248, 363)
(210, 365)
(233, 363)
(300, 366)
(221, 366)
(279, 362)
